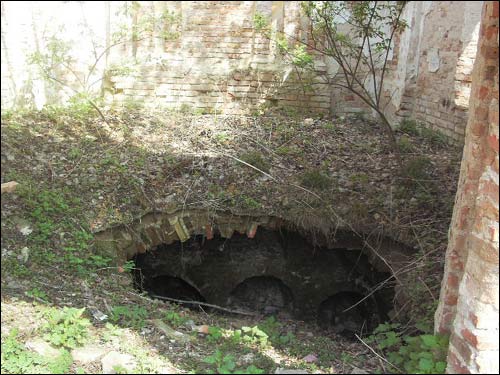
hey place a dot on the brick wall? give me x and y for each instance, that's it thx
(219, 62)
(435, 74)
(469, 302)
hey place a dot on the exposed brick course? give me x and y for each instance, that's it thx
(469, 303)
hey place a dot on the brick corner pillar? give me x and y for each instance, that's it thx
(469, 302)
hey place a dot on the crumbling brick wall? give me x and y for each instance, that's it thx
(220, 62)
(469, 302)
(432, 79)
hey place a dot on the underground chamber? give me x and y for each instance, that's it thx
(277, 272)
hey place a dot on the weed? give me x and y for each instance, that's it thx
(222, 138)
(409, 126)
(75, 153)
(119, 369)
(186, 109)
(37, 293)
(323, 347)
(273, 330)
(284, 151)
(130, 316)
(417, 168)
(249, 202)
(254, 335)
(405, 145)
(331, 127)
(15, 268)
(315, 179)
(214, 334)
(424, 354)
(359, 178)
(7, 114)
(434, 136)
(66, 327)
(17, 360)
(226, 364)
(256, 159)
(174, 318)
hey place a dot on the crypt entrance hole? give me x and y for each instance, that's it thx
(276, 272)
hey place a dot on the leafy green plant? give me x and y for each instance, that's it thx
(224, 364)
(254, 335)
(423, 354)
(37, 293)
(214, 334)
(66, 327)
(128, 266)
(272, 328)
(222, 138)
(131, 316)
(15, 359)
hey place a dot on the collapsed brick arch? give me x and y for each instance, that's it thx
(215, 258)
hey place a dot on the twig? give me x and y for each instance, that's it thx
(251, 166)
(203, 304)
(378, 355)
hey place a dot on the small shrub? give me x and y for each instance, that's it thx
(66, 327)
(315, 179)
